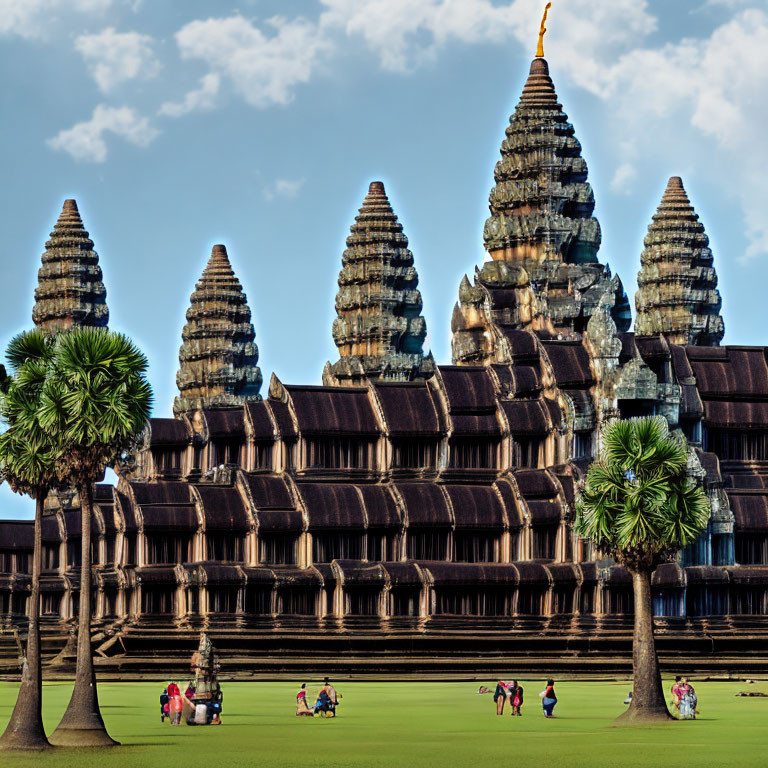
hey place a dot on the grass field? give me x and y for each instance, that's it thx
(440, 725)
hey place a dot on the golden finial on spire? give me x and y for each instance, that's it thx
(542, 30)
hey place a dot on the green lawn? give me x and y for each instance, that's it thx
(415, 724)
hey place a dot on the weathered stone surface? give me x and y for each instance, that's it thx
(541, 227)
(379, 329)
(70, 291)
(218, 357)
(677, 284)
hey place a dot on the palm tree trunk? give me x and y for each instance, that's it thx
(25, 729)
(648, 702)
(82, 724)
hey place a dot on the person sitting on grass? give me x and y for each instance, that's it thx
(302, 708)
(676, 694)
(548, 698)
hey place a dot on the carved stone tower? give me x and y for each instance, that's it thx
(218, 357)
(379, 329)
(70, 291)
(542, 229)
(677, 284)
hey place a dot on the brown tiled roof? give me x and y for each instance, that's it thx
(380, 507)
(724, 414)
(425, 504)
(668, 575)
(17, 534)
(526, 417)
(261, 423)
(535, 483)
(223, 508)
(515, 517)
(333, 410)
(332, 506)
(570, 363)
(469, 389)
(280, 520)
(361, 573)
(170, 432)
(169, 518)
(282, 415)
(459, 574)
(750, 511)
(161, 493)
(737, 372)
(226, 423)
(408, 409)
(476, 506)
(269, 492)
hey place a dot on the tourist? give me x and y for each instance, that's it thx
(548, 698)
(302, 708)
(500, 696)
(174, 703)
(333, 695)
(688, 700)
(676, 693)
(516, 698)
(164, 706)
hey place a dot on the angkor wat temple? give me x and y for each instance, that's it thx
(410, 517)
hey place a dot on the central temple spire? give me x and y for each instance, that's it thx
(542, 233)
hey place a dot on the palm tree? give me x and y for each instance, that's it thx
(27, 464)
(639, 507)
(98, 398)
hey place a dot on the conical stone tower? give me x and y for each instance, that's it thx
(677, 284)
(70, 291)
(542, 228)
(541, 206)
(379, 329)
(218, 357)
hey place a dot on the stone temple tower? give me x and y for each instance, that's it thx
(218, 357)
(70, 291)
(379, 329)
(677, 284)
(541, 235)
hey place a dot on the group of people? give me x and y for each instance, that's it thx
(206, 711)
(325, 705)
(508, 692)
(684, 699)
(512, 693)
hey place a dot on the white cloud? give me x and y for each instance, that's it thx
(85, 141)
(263, 68)
(623, 178)
(199, 99)
(285, 188)
(703, 95)
(32, 18)
(405, 33)
(116, 57)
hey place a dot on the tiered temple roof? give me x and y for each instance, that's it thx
(379, 329)
(218, 357)
(677, 293)
(70, 291)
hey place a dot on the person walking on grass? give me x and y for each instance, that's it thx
(548, 698)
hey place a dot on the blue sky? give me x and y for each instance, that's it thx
(260, 125)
